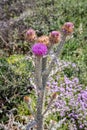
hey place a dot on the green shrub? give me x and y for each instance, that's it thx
(15, 73)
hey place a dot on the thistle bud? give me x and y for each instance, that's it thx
(31, 35)
(55, 37)
(27, 99)
(54, 95)
(68, 28)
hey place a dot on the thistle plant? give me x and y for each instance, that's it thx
(42, 47)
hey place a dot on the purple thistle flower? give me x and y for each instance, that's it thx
(39, 49)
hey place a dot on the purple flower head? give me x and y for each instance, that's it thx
(39, 49)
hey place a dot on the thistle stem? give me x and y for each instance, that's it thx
(40, 96)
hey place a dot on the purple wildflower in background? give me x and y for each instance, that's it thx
(73, 65)
(67, 80)
(82, 98)
(76, 80)
(54, 88)
(71, 100)
(39, 49)
(81, 126)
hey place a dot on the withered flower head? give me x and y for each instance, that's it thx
(27, 99)
(45, 40)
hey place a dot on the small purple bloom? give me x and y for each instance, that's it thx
(81, 126)
(39, 49)
(55, 88)
(73, 65)
(67, 81)
(76, 80)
